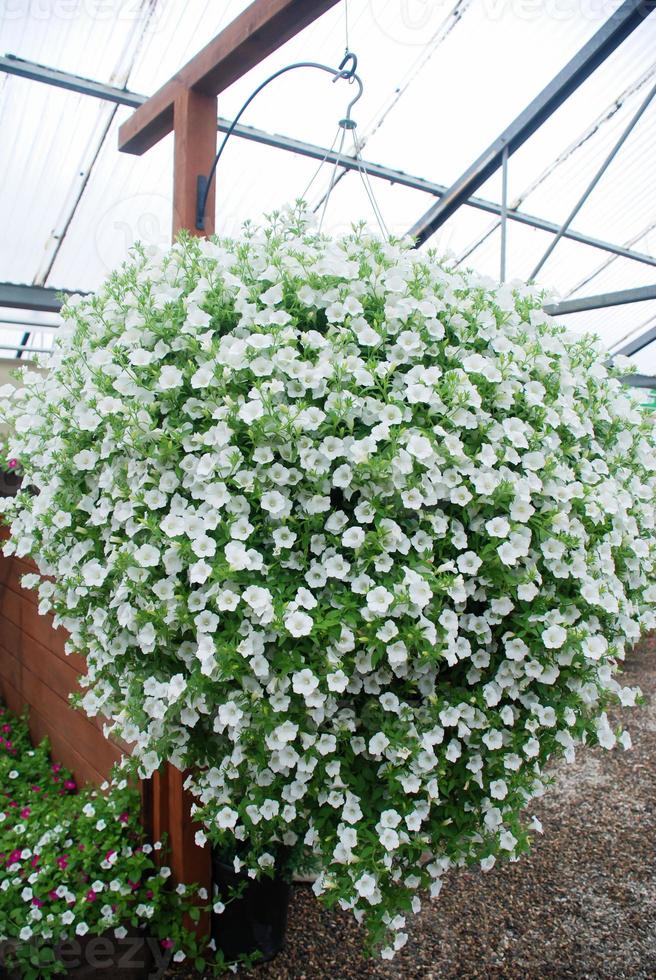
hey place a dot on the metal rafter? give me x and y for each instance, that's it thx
(43, 298)
(619, 298)
(640, 380)
(75, 83)
(637, 343)
(615, 30)
(628, 129)
(563, 157)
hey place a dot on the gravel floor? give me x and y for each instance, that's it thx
(582, 905)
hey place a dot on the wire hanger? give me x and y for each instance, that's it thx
(203, 183)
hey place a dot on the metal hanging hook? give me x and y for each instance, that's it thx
(351, 76)
(204, 183)
(350, 72)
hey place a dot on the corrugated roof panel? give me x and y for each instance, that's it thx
(479, 79)
(46, 137)
(613, 324)
(81, 37)
(645, 360)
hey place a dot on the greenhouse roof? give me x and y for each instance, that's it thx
(442, 81)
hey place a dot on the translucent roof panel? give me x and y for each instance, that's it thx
(49, 136)
(85, 38)
(645, 360)
(466, 83)
(614, 324)
(442, 80)
(32, 330)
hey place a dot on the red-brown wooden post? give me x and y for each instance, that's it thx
(195, 135)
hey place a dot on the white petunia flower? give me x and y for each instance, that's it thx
(170, 377)
(298, 623)
(554, 637)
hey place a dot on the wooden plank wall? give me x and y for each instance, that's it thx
(36, 673)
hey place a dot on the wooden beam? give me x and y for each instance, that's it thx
(194, 126)
(166, 803)
(255, 34)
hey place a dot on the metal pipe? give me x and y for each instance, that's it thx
(10, 322)
(595, 180)
(584, 303)
(21, 348)
(504, 213)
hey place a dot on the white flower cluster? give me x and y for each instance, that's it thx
(359, 539)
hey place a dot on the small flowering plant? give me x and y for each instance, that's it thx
(359, 539)
(10, 475)
(74, 863)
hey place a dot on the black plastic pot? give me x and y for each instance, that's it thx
(256, 922)
(10, 483)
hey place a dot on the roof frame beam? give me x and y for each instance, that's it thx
(84, 86)
(42, 298)
(613, 32)
(636, 344)
(252, 36)
(582, 304)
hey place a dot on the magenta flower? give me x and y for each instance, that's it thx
(91, 895)
(12, 464)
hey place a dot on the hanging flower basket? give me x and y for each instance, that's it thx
(358, 538)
